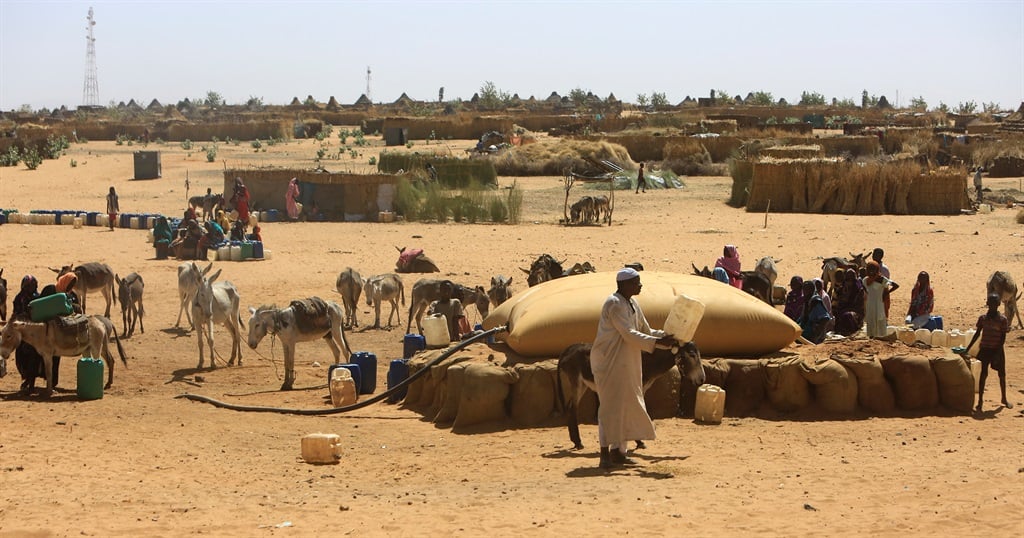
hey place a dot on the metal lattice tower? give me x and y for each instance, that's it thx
(91, 89)
(368, 96)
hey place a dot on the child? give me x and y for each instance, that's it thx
(876, 285)
(992, 328)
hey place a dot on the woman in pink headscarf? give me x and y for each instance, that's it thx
(289, 199)
(730, 261)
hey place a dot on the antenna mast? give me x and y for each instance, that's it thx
(368, 95)
(91, 89)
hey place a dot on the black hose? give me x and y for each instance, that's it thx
(353, 407)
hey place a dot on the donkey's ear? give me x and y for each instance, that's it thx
(208, 267)
(54, 270)
(252, 311)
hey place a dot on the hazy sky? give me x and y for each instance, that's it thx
(944, 51)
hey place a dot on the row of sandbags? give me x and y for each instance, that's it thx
(475, 387)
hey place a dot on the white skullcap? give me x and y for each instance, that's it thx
(626, 274)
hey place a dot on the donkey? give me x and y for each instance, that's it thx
(3, 296)
(575, 363)
(414, 261)
(129, 294)
(829, 266)
(89, 337)
(294, 324)
(544, 268)
(218, 303)
(91, 276)
(754, 282)
(766, 268)
(1002, 284)
(189, 278)
(500, 291)
(209, 204)
(350, 286)
(582, 211)
(387, 287)
(428, 290)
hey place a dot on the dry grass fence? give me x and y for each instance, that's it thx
(452, 173)
(850, 188)
(339, 196)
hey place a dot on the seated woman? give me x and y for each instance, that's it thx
(815, 319)
(849, 305)
(256, 235)
(795, 298)
(922, 300)
(162, 237)
(730, 261)
(184, 246)
(238, 231)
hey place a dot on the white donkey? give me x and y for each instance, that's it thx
(189, 278)
(218, 303)
(380, 288)
(302, 321)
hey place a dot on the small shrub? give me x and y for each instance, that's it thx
(256, 144)
(354, 154)
(497, 209)
(211, 153)
(436, 205)
(119, 140)
(74, 163)
(186, 144)
(320, 153)
(32, 158)
(407, 199)
(11, 157)
(515, 204)
(408, 144)
(159, 141)
(373, 160)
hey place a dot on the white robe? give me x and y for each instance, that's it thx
(615, 359)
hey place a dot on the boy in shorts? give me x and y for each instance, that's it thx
(992, 329)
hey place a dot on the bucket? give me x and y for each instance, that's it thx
(976, 373)
(398, 371)
(411, 344)
(923, 335)
(940, 338)
(710, 404)
(78, 224)
(353, 369)
(683, 319)
(435, 331)
(367, 363)
(321, 448)
(343, 388)
(236, 253)
(90, 379)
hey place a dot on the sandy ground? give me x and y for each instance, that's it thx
(139, 462)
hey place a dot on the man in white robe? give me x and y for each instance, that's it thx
(622, 334)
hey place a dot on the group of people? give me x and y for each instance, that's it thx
(28, 361)
(193, 239)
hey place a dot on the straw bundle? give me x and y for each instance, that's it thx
(793, 152)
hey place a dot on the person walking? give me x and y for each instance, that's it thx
(622, 335)
(641, 182)
(977, 184)
(112, 208)
(290, 196)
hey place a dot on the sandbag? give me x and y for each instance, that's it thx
(547, 318)
(785, 384)
(450, 388)
(533, 396)
(873, 391)
(744, 387)
(414, 389)
(662, 398)
(484, 389)
(913, 382)
(835, 387)
(956, 384)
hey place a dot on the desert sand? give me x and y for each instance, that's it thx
(139, 462)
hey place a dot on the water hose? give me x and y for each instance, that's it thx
(335, 410)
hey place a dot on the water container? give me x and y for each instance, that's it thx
(266, 254)
(435, 331)
(66, 218)
(49, 218)
(976, 373)
(411, 344)
(246, 247)
(956, 339)
(890, 331)
(398, 371)
(480, 327)
(905, 335)
(103, 220)
(236, 253)
(254, 218)
(357, 375)
(49, 307)
(940, 338)
(683, 319)
(923, 335)
(90, 379)
(385, 216)
(257, 250)
(343, 388)
(124, 221)
(367, 363)
(934, 322)
(321, 448)
(224, 253)
(269, 215)
(968, 335)
(78, 224)
(984, 208)
(710, 404)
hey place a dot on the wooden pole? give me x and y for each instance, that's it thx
(767, 207)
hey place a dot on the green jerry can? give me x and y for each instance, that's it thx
(90, 379)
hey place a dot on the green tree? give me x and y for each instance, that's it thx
(658, 100)
(213, 99)
(491, 97)
(812, 98)
(990, 107)
(578, 96)
(966, 108)
(763, 98)
(254, 103)
(918, 103)
(641, 100)
(943, 107)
